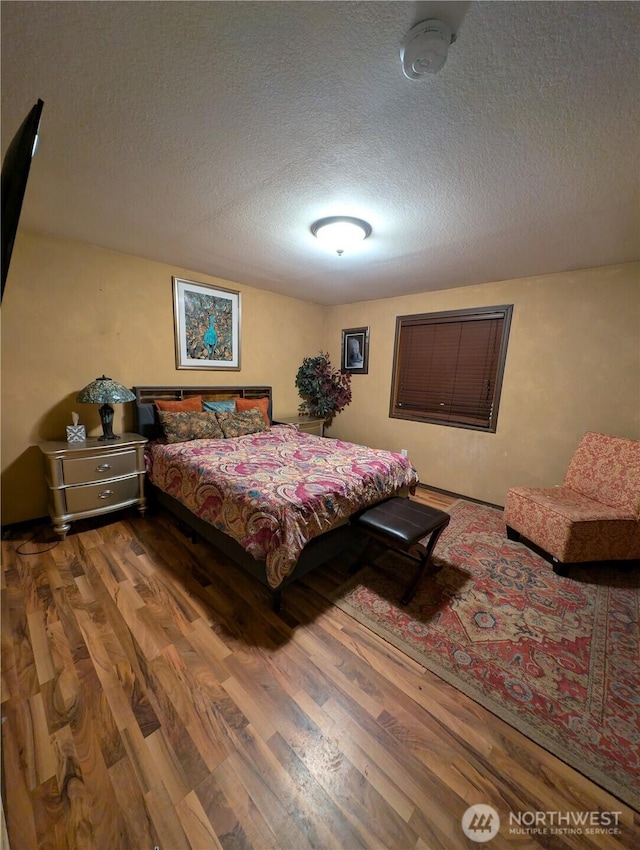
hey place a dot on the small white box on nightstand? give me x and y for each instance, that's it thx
(76, 433)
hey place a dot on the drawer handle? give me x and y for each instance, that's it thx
(103, 467)
(105, 494)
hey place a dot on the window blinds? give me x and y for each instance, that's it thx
(448, 367)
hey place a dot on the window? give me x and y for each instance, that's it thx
(448, 367)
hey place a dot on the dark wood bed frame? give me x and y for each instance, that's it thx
(345, 539)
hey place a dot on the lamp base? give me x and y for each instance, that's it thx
(106, 417)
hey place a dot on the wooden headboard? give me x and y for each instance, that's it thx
(146, 412)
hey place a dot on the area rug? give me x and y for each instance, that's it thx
(556, 658)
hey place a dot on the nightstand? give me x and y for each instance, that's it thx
(93, 478)
(309, 424)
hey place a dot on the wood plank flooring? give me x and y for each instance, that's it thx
(144, 710)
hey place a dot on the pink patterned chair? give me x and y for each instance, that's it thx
(593, 516)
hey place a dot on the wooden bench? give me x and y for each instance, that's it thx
(401, 524)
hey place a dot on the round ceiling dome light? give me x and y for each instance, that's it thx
(340, 232)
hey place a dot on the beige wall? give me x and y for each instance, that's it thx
(72, 312)
(573, 364)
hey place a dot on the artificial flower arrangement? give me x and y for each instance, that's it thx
(325, 391)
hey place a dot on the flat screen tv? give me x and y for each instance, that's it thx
(15, 173)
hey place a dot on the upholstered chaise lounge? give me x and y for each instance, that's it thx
(593, 516)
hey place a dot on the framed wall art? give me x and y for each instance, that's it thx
(355, 351)
(207, 326)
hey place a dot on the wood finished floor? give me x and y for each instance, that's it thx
(144, 710)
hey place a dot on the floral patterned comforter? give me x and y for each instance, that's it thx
(276, 490)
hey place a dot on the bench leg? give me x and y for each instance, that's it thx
(364, 557)
(410, 591)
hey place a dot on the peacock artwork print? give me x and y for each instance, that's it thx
(208, 321)
(211, 337)
(207, 326)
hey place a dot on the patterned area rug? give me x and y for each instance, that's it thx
(556, 658)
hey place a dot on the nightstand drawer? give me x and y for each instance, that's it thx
(316, 428)
(92, 497)
(104, 465)
(308, 424)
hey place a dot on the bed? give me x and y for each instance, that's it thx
(278, 501)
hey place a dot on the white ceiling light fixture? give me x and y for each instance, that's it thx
(424, 48)
(340, 232)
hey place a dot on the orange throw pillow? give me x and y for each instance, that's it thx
(187, 405)
(261, 403)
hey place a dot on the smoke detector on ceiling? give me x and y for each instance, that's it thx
(424, 48)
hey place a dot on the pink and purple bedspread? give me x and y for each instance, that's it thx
(276, 490)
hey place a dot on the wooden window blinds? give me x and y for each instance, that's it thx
(448, 367)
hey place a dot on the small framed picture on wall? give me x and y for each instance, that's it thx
(355, 351)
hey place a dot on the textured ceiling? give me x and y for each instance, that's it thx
(210, 136)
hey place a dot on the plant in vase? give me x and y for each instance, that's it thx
(324, 390)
